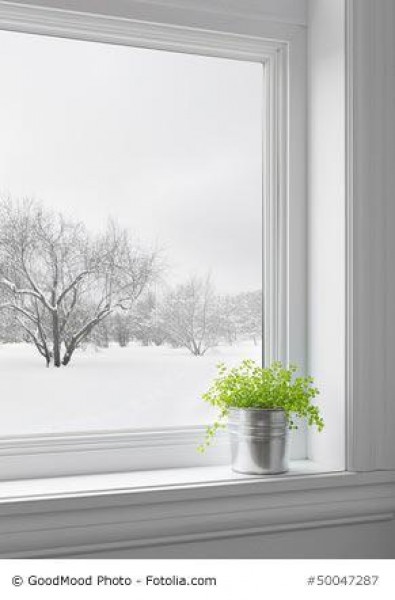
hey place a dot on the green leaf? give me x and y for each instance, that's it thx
(252, 386)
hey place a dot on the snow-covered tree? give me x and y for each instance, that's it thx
(253, 316)
(248, 317)
(60, 282)
(146, 323)
(121, 328)
(190, 316)
(241, 316)
(229, 318)
(101, 335)
(9, 328)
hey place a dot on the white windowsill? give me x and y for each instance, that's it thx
(29, 489)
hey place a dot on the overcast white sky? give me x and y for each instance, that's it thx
(169, 144)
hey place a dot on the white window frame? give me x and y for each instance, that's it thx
(112, 517)
(284, 248)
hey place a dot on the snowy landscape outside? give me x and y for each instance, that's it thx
(130, 232)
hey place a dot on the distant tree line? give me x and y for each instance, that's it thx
(62, 288)
(190, 315)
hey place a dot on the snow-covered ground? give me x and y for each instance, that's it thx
(114, 388)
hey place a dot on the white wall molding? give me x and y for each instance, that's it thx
(23, 15)
(35, 456)
(266, 10)
(78, 524)
(116, 30)
(349, 173)
(268, 18)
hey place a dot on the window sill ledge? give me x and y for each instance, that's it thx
(148, 480)
(73, 516)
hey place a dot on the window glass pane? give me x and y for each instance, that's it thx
(130, 232)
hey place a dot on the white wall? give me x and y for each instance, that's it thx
(362, 541)
(326, 177)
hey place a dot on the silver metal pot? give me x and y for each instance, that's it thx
(258, 440)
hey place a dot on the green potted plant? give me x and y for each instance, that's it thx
(260, 405)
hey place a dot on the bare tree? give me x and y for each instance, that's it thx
(60, 282)
(145, 322)
(121, 328)
(190, 316)
(228, 318)
(242, 316)
(249, 315)
(10, 331)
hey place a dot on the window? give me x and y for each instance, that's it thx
(134, 209)
(144, 193)
(121, 519)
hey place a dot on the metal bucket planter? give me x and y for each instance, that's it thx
(258, 440)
